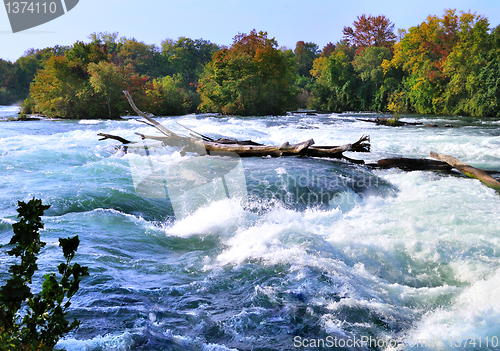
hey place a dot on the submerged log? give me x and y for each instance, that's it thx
(391, 122)
(469, 171)
(411, 164)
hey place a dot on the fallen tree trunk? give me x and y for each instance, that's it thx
(305, 148)
(469, 171)
(362, 145)
(258, 150)
(238, 142)
(411, 164)
(251, 149)
(391, 122)
(246, 148)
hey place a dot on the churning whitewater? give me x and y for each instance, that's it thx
(322, 254)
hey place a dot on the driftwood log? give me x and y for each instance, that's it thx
(469, 171)
(391, 122)
(412, 164)
(252, 149)
(249, 148)
(246, 148)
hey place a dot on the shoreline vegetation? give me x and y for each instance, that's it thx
(448, 65)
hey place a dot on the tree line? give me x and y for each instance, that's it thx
(445, 65)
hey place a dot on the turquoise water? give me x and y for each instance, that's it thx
(401, 258)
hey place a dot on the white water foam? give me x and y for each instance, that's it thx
(474, 314)
(220, 217)
(9, 111)
(120, 342)
(90, 121)
(431, 217)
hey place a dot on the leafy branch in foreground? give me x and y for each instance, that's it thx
(37, 322)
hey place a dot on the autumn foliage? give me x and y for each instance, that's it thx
(445, 65)
(83, 83)
(370, 31)
(442, 61)
(87, 80)
(252, 77)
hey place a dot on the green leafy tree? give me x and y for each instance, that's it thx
(84, 84)
(442, 59)
(305, 87)
(108, 40)
(15, 78)
(368, 66)
(8, 83)
(188, 57)
(33, 60)
(305, 54)
(109, 81)
(143, 59)
(349, 75)
(170, 97)
(60, 91)
(131, 54)
(62, 88)
(487, 99)
(336, 83)
(421, 54)
(252, 77)
(37, 321)
(463, 66)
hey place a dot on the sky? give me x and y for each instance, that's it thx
(289, 21)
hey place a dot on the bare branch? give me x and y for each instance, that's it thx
(114, 137)
(157, 125)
